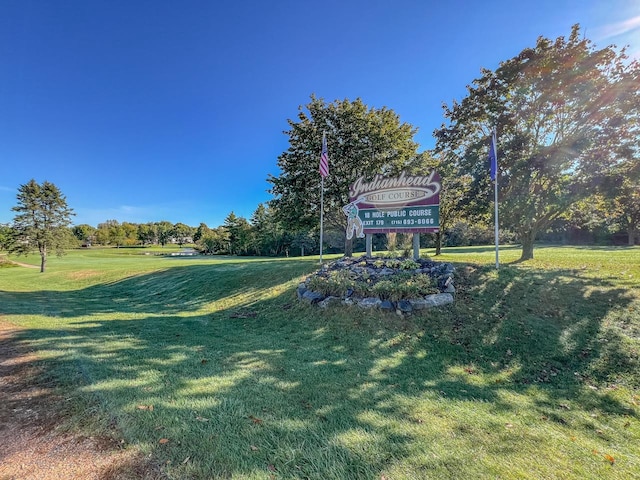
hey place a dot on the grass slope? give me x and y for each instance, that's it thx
(214, 368)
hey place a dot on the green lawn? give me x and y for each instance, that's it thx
(534, 372)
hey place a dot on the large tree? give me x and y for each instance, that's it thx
(201, 231)
(556, 110)
(240, 234)
(360, 141)
(84, 233)
(147, 233)
(620, 198)
(454, 201)
(214, 240)
(5, 236)
(623, 177)
(182, 233)
(163, 229)
(42, 221)
(269, 235)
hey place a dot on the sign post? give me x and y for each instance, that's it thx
(369, 244)
(416, 246)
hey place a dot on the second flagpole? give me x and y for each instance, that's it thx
(495, 198)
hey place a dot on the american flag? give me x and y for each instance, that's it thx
(324, 157)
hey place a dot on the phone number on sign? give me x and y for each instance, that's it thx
(414, 221)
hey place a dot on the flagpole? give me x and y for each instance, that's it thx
(324, 171)
(495, 199)
(321, 214)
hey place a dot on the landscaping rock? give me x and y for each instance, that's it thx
(369, 302)
(387, 306)
(404, 306)
(345, 262)
(329, 301)
(430, 302)
(419, 303)
(439, 299)
(446, 268)
(312, 297)
(301, 289)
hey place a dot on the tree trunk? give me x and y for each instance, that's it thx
(527, 240)
(438, 243)
(392, 242)
(632, 235)
(43, 261)
(348, 247)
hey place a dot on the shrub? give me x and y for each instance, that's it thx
(335, 283)
(395, 287)
(393, 263)
(409, 265)
(383, 289)
(406, 285)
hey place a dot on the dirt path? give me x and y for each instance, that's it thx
(20, 264)
(3, 258)
(32, 444)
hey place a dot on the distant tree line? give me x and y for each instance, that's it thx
(262, 234)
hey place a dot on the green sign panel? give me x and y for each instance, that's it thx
(405, 219)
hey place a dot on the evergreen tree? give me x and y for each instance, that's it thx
(42, 221)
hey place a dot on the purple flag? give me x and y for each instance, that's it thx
(324, 157)
(493, 156)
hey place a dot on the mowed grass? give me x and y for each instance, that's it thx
(212, 367)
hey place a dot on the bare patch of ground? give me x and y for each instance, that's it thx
(81, 275)
(32, 443)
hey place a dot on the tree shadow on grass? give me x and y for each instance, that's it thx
(598, 248)
(269, 385)
(173, 290)
(479, 249)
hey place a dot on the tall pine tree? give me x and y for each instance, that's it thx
(42, 221)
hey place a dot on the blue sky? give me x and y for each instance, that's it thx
(175, 110)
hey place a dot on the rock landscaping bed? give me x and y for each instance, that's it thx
(398, 285)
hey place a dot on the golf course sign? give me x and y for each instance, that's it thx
(406, 204)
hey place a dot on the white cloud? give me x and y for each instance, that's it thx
(625, 33)
(619, 28)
